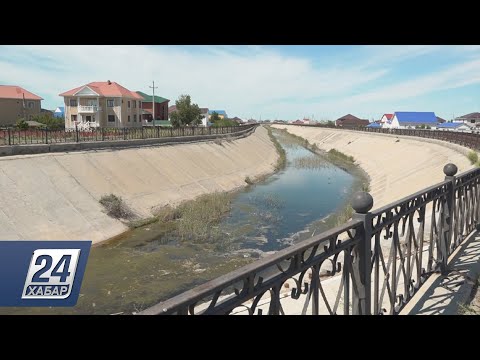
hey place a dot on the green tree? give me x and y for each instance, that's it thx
(22, 124)
(50, 121)
(214, 117)
(224, 122)
(329, 123)
(186, 113)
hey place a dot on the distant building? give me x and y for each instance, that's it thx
(46, 112)
(455, 126)
(351, 121)
(472, 118)
(221, 113)
(237, 120)
(440, 120)
(206, 116)
(386, 118)
(59, 112)
(411, 120)
(161, 107)
(297, 122)
(16, 103)
(102, 104)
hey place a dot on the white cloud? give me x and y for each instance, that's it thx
(232, 78)
(245, 81)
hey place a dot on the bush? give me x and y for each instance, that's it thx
(116, 207)
(473, 157)
(22, 124)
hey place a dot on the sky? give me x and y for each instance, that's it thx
(263, 82)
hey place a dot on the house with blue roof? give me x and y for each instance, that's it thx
(221, 113)
(59, 112)
(411, 120)
(454, 126)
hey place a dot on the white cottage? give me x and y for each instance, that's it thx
(411, 120)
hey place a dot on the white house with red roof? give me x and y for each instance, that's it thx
(102, 104)
(386, 119)
(16, 103)
(412, 120)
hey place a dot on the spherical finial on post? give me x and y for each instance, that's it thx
(362, 202)
(450, 169)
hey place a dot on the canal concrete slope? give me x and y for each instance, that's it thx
(56, 196)
(397, 165)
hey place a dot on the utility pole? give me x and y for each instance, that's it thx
(153, 87)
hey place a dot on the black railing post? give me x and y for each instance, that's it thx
(124, 133)
(76, 132)
(46, 135)
(362, 202)
(171, 132)
(143, 136)
(9, 137)
(448, 217)
(103, 134)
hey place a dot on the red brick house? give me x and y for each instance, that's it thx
(161, 107)
(351, 121)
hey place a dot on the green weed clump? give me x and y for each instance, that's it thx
(473, 157)
(339, 155)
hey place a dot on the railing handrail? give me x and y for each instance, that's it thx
(41, 136)
(408, 198)
(212, 286)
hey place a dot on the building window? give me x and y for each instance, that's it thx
(128, 118)
(89, 118)
(73, 102)
(110, 103)
(128, 103)
(134, 104)
(139, 104)
(135, 118)
(30, 104)
(472, 121)
(111, 118)
(74, 117)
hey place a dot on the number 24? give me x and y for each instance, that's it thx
(65, 260)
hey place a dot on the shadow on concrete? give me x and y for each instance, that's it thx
(444, 295)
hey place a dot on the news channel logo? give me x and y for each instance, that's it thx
(42, 273)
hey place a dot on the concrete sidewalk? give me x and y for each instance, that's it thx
(444, 295)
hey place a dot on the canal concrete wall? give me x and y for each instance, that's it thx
(56, 196)
(397, 166)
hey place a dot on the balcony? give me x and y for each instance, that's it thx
(86, 125)
(89, 109)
